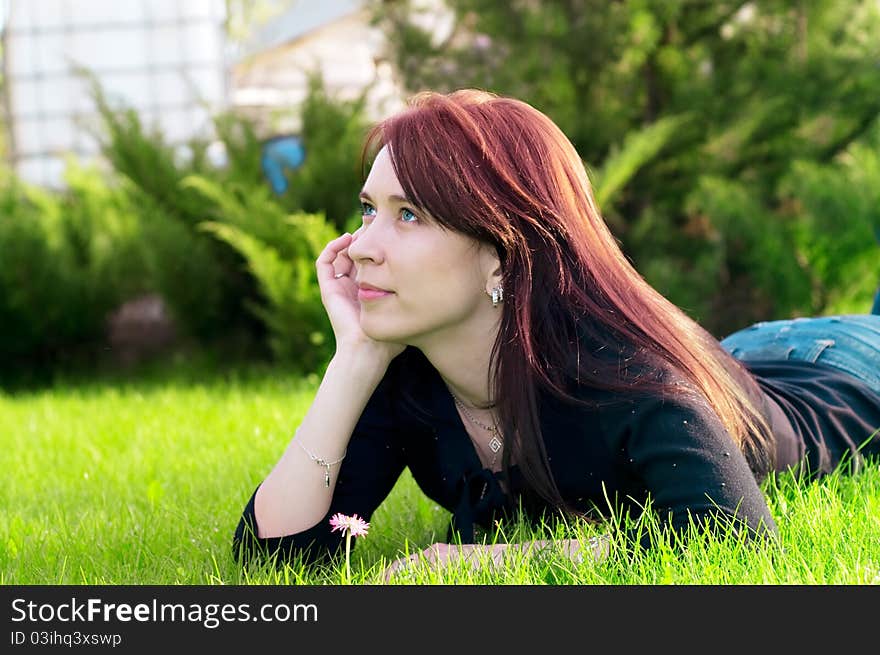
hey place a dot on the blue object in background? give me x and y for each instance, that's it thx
(281, 153)
(876, 308)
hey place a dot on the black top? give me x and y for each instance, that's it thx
(680, 455)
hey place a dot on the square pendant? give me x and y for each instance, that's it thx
(495, 444)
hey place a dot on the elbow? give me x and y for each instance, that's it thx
(680, 530)
(314, 546)
(276, 552)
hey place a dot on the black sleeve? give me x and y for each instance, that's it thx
(372, 466)
(694, 472)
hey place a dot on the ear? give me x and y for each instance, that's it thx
(491, 266)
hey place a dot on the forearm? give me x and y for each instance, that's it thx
(499, 555)
(295, 495)
(596, 548)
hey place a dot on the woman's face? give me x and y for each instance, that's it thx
(439, 278)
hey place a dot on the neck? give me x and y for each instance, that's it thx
(462, 360)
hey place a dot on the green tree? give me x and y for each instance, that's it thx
(755, 90)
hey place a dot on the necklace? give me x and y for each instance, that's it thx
(495, 443)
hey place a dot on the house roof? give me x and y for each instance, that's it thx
(302, 18)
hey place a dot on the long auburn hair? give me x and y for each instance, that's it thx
(498, 170)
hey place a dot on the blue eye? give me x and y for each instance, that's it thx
(366, 208)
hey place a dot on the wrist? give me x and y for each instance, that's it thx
(359, 363)
(361, 356)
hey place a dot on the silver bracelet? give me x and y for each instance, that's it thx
(321, 461)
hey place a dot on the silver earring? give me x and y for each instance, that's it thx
(497, 295)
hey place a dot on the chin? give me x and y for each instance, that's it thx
(379, 332)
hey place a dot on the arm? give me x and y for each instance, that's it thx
(496, 555)
(294, 497)
(350, 414)
(693, 470)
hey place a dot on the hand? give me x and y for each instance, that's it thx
(340, 300)
(440, 555)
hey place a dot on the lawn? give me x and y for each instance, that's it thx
(143, 481)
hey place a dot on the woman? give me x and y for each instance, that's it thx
(492, 337)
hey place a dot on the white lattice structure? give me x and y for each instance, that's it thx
(164, 58)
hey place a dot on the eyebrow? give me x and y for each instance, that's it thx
(366, 196)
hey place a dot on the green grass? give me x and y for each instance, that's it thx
(143, 482)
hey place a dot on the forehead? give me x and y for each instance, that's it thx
(382, 173)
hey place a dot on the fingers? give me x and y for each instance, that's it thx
(325, 264)
(436, 555)
(440, 555)
(344, 263)
(399, 565)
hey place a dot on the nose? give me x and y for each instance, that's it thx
(364, 245)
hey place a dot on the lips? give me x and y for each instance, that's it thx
(370, 292)
(370, 287)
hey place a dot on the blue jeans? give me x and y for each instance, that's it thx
(848, 343)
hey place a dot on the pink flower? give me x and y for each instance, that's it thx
(354, 524)
(350, 526)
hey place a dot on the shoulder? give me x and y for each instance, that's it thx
(409, 388)
(382, 407)
(677, 418)
(406, 367)
(411, 371)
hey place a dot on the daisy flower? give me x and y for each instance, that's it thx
(353, 525)
(350, 526)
